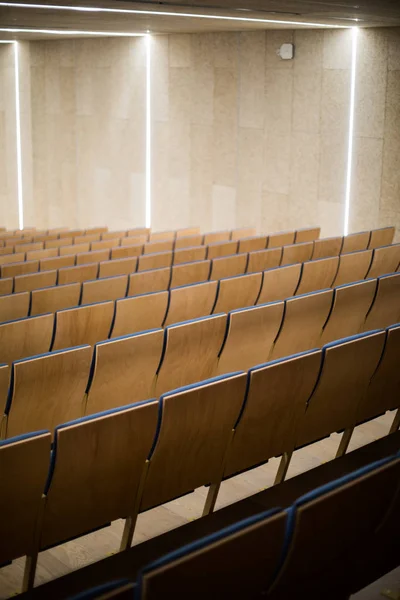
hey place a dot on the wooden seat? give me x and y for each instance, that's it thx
(127, 251)
(49, 264)
(282, 238)
(46, 390)
(216, 236)
(154, 261)
(103, 486)
(11, 258)
(228, 266)
(347, 367)
(14, 306)
(264, 259)
(196, 424)
(155, 280)
(189, 273)
(137, 241)
(124, 370)
(307, 234)
(189, 241)
(385, 260)
(222, 249)
(158, 236)
(6, 250)
(381, 237)
(40, 254)
(4, 382)
(276, 399)
(157, 247)
(191, 254)
(279, 283)
(35, 281)
(25, 337)
(243, 232)
(383, 392)
(92, 257)
(297, 253)
(83, 325)
(187, 232)
(21, 268)
(52, 299)
(105, 245)
(81, 239)
(318, 274)
(353, 267)
(356, 242)
(24, 465)
(305, 317)
(385, 309)
(122, 266)
(138, 313)
(252, 244)
(250, 549)
(238, 292)
(112, 235)
(74, 249)
(250, 336)
(78, 274)
(100, 290)
(191, 352)
(351, 303)
(327, 247)
(139, 231)
(191, 302)
(6, 286)
(28, 247)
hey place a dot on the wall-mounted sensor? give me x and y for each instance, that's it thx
(286, 51)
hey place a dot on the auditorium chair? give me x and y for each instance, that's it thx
(48, 264)
(35, 281)
(101, 290)
(6, 286)
(188, 241)
(20, 268)
(297, 253)
(386, 307)
(216, 236)
(53, 299)
(78, 274)
(94, 256)
(158, 247)
(353, 267)
(82, 325)
(228, 266)
(251, 244)
(186, 255)
(119, 266)
(14, 306)
(74, 249)
(191, 302)
(381, 237)
(282, 238)
(385, 260)
(238, 292)
(186, 274)
(25, 337)
(155, 280)
(264, 259)
(139, 313)
(355, 242)
(318, 274)
(155, 261)
(279, 283)
(307, 234)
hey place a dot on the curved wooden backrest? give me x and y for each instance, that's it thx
(250, 336)
(4, 383)
(22, 268)
(282, 238)
(190, 352)
(35, 281)
(191, 254)
(83, 325)
(385, 260)
(161, 236)
(102, 486)
(238, 292)
(228, 266)
(81, 239)
(305, 317)
(28, 247)
(48, 264)
(124, 370)
(24, 464)
(52, 299)
(78, 274)
(381, 237)
(356, 242)
(189, 273)
(318, 275)
(6, 286)
(264, 259)
(156, 280)
(347, 368)
(112, 235)
(94, 256)
(351, 304)
(139, 231)
(222, 249)
(385, 310)
(137, 241)
(25, 337)
(191, 302)
(216, 236)
(74, 249)
(155, 261)
(383, 392)
(236, 562)
(157, 247)
(307, 234)
(100, 290)
(40, 254)
(193, 436)
(297, 253)
(121, 266)
(327, 247)
(252, 244)
(279, 283)
(6, 250)
(12, 258)
(189, 241)
(139, 313)
(353, 267)
(127, 250)
(243, 232)
(187, 232)
(48, 390)
(14, 306)
(276, 400)
(105, 244)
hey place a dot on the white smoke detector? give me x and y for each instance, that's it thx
(286, 52)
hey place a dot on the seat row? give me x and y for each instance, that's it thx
(113, 464)
(82, 375)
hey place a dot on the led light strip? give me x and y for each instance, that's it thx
(161, 13)
(18, 138)
(70, 32)
(354, 35)
(148, 130)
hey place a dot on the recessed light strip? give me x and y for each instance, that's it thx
(148, 130)
(354, 35)
(162, 13)
(18, 138)
(70, 32)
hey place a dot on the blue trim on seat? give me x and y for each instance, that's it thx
(195, 320)
(82, 306)
(198, 384)
(241, 275)
(344, 285)
(148, 270)
(389, 328)
(21, 360)
(246, 308)
(25, 318)
(140, 295)
(357, 336)
(389, 275)
(276, 361)
(178, 287)
(23, 436)
(310, 293)
(127, 335)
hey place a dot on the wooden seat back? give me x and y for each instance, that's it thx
(279, 283)
(25, 337)
(307, 234)
(264, 259)
(188, 241)
(155, 261)
(228, 266)
(140, 313)
(35, 281)
(186, 255)
(297, 253)
(385, 309)
(119, 266)
(20, 268)
(156, 280)
(384, 260)
(216, 236)
(49, 264)
(355, 242)
(14, 306)
(252, 244)
(282, 238)
(327, 247)
(353, 267)
(318, 274)
(101, 290)
(238, 292)
(219, 249)
(186, 274)
(78, 274)
(52, 299)
(191, 302)
(381, 237)
(83, 325)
